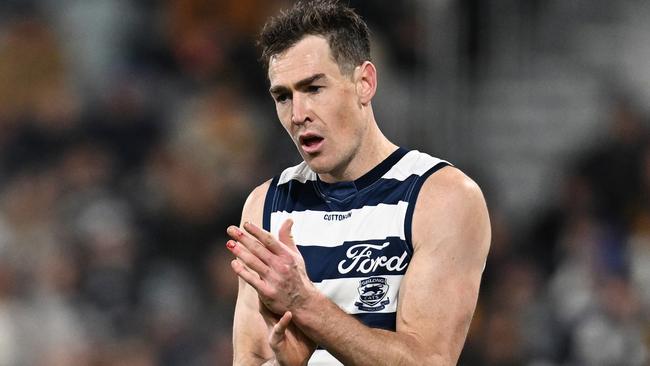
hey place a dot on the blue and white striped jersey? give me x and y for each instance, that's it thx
(355, 236)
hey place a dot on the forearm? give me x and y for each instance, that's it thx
(247, 351)
(249, 337)
(353, 343)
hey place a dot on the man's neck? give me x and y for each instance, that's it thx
(370, 154)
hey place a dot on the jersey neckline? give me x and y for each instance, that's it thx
(344, 190)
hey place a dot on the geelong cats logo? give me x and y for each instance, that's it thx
(372, 292)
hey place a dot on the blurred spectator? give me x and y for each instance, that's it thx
(612, 168)
(610, 333)
(11, 318)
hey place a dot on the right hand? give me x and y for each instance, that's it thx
(289, 344)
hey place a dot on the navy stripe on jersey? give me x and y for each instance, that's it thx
(307, 196)
(376, 173)
(324, 261)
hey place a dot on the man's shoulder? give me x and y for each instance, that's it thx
(452, 179)
(449, 185)
(258, 193)
(449, 199)
(254, 205)
(300, 172)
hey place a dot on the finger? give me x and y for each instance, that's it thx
(251, 243)
(285, 235)
(280, 328)
(270, 242)
(250, 260)
(283, 323)
(246, 275)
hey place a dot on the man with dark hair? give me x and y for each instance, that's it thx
(365, 253)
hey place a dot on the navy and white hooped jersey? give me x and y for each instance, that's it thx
(355, 236)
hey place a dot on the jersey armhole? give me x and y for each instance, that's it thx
(269, 203)
(412, 198)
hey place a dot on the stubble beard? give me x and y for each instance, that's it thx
(337, 167)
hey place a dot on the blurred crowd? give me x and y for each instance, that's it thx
(130, 134)
(127, 147)
(574, 287)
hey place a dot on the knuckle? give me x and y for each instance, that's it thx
(284, 268)
(264, 294)
(277, 329)
(260, 251)
(266, 272)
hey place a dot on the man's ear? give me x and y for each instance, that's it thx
(365, 77)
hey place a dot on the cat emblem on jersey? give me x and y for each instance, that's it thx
(372, 294)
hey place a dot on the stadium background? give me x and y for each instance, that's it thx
(131, 132)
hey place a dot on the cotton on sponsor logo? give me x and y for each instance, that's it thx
(337, 217)
(360, 259)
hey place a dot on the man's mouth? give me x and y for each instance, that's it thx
(310, 143)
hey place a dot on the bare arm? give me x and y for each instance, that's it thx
(250, 346)
(451, 237)
(261, 337)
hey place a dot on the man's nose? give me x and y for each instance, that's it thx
(300, 110)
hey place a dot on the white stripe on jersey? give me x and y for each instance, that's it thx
(345, 291)
(366, 223)
(300, 172)
(413, 163)
(323, 358)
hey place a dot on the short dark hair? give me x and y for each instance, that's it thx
(346, 33)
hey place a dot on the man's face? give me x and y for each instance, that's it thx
(317, 105)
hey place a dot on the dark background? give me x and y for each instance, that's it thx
(132, 131)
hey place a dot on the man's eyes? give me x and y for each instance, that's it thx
(311, 89)
(281, 98)
(314, 88)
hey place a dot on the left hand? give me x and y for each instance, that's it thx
(289, 344)
(273, 267)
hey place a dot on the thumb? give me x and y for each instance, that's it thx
(285, 234)
(278, 333)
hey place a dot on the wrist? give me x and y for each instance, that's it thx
(312, 304)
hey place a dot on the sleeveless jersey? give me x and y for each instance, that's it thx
(355, 237)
